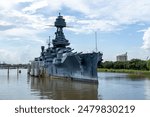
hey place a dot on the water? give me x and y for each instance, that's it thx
(111, 86)
(119, 86)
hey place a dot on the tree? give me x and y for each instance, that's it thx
(135, 64)
(148, 64)
(121, 65)
(108, 64)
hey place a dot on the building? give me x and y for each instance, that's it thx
(122, 57)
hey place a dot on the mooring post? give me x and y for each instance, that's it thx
(17, 72)
(8, 70)
(8, 73)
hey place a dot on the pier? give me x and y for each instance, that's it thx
(13, 66)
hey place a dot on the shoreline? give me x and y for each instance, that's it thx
(131, 73)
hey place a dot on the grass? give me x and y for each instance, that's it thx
(131, 73)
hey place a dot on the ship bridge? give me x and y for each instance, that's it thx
(60, 40)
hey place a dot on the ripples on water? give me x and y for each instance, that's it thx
(120, 86)
(111, 86)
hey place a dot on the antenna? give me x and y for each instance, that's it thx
(49, 42)
(96, 41)
(147, 58)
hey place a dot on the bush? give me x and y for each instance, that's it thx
(135, 64)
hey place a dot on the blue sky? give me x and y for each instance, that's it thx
(121, 26)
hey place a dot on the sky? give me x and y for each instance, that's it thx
(121, 26)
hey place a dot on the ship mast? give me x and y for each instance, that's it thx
(49, 42)
(95, 41)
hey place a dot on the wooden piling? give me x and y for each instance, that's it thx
(8, 71)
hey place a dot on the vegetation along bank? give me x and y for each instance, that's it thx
(135, 67)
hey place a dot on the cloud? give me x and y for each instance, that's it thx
(89, 25)
(19, 54)
(26, 20)
(82, 6)
(35, 6)
(8, 56)
(106, 15)
(146, 39)
(21, 34)
(7, 4)
(4, 23)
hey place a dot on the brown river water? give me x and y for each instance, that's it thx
(111, 86)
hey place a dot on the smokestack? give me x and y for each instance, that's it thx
(42, 48)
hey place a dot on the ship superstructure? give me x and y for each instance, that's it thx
(60, 60)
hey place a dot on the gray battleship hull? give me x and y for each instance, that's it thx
(60, 60)
(82, 67)
(76, 67)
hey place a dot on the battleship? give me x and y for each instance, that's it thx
(60, 61)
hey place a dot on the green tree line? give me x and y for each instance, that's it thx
(135, 64)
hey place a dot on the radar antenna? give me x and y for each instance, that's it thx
(95, 41)
(49, 42)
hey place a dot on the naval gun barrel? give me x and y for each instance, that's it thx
(71, 50)
(80, 52)
(68, 50)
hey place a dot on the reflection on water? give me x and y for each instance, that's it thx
(111, 86)
(19, 86)
(147, 89)
(62, 89)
